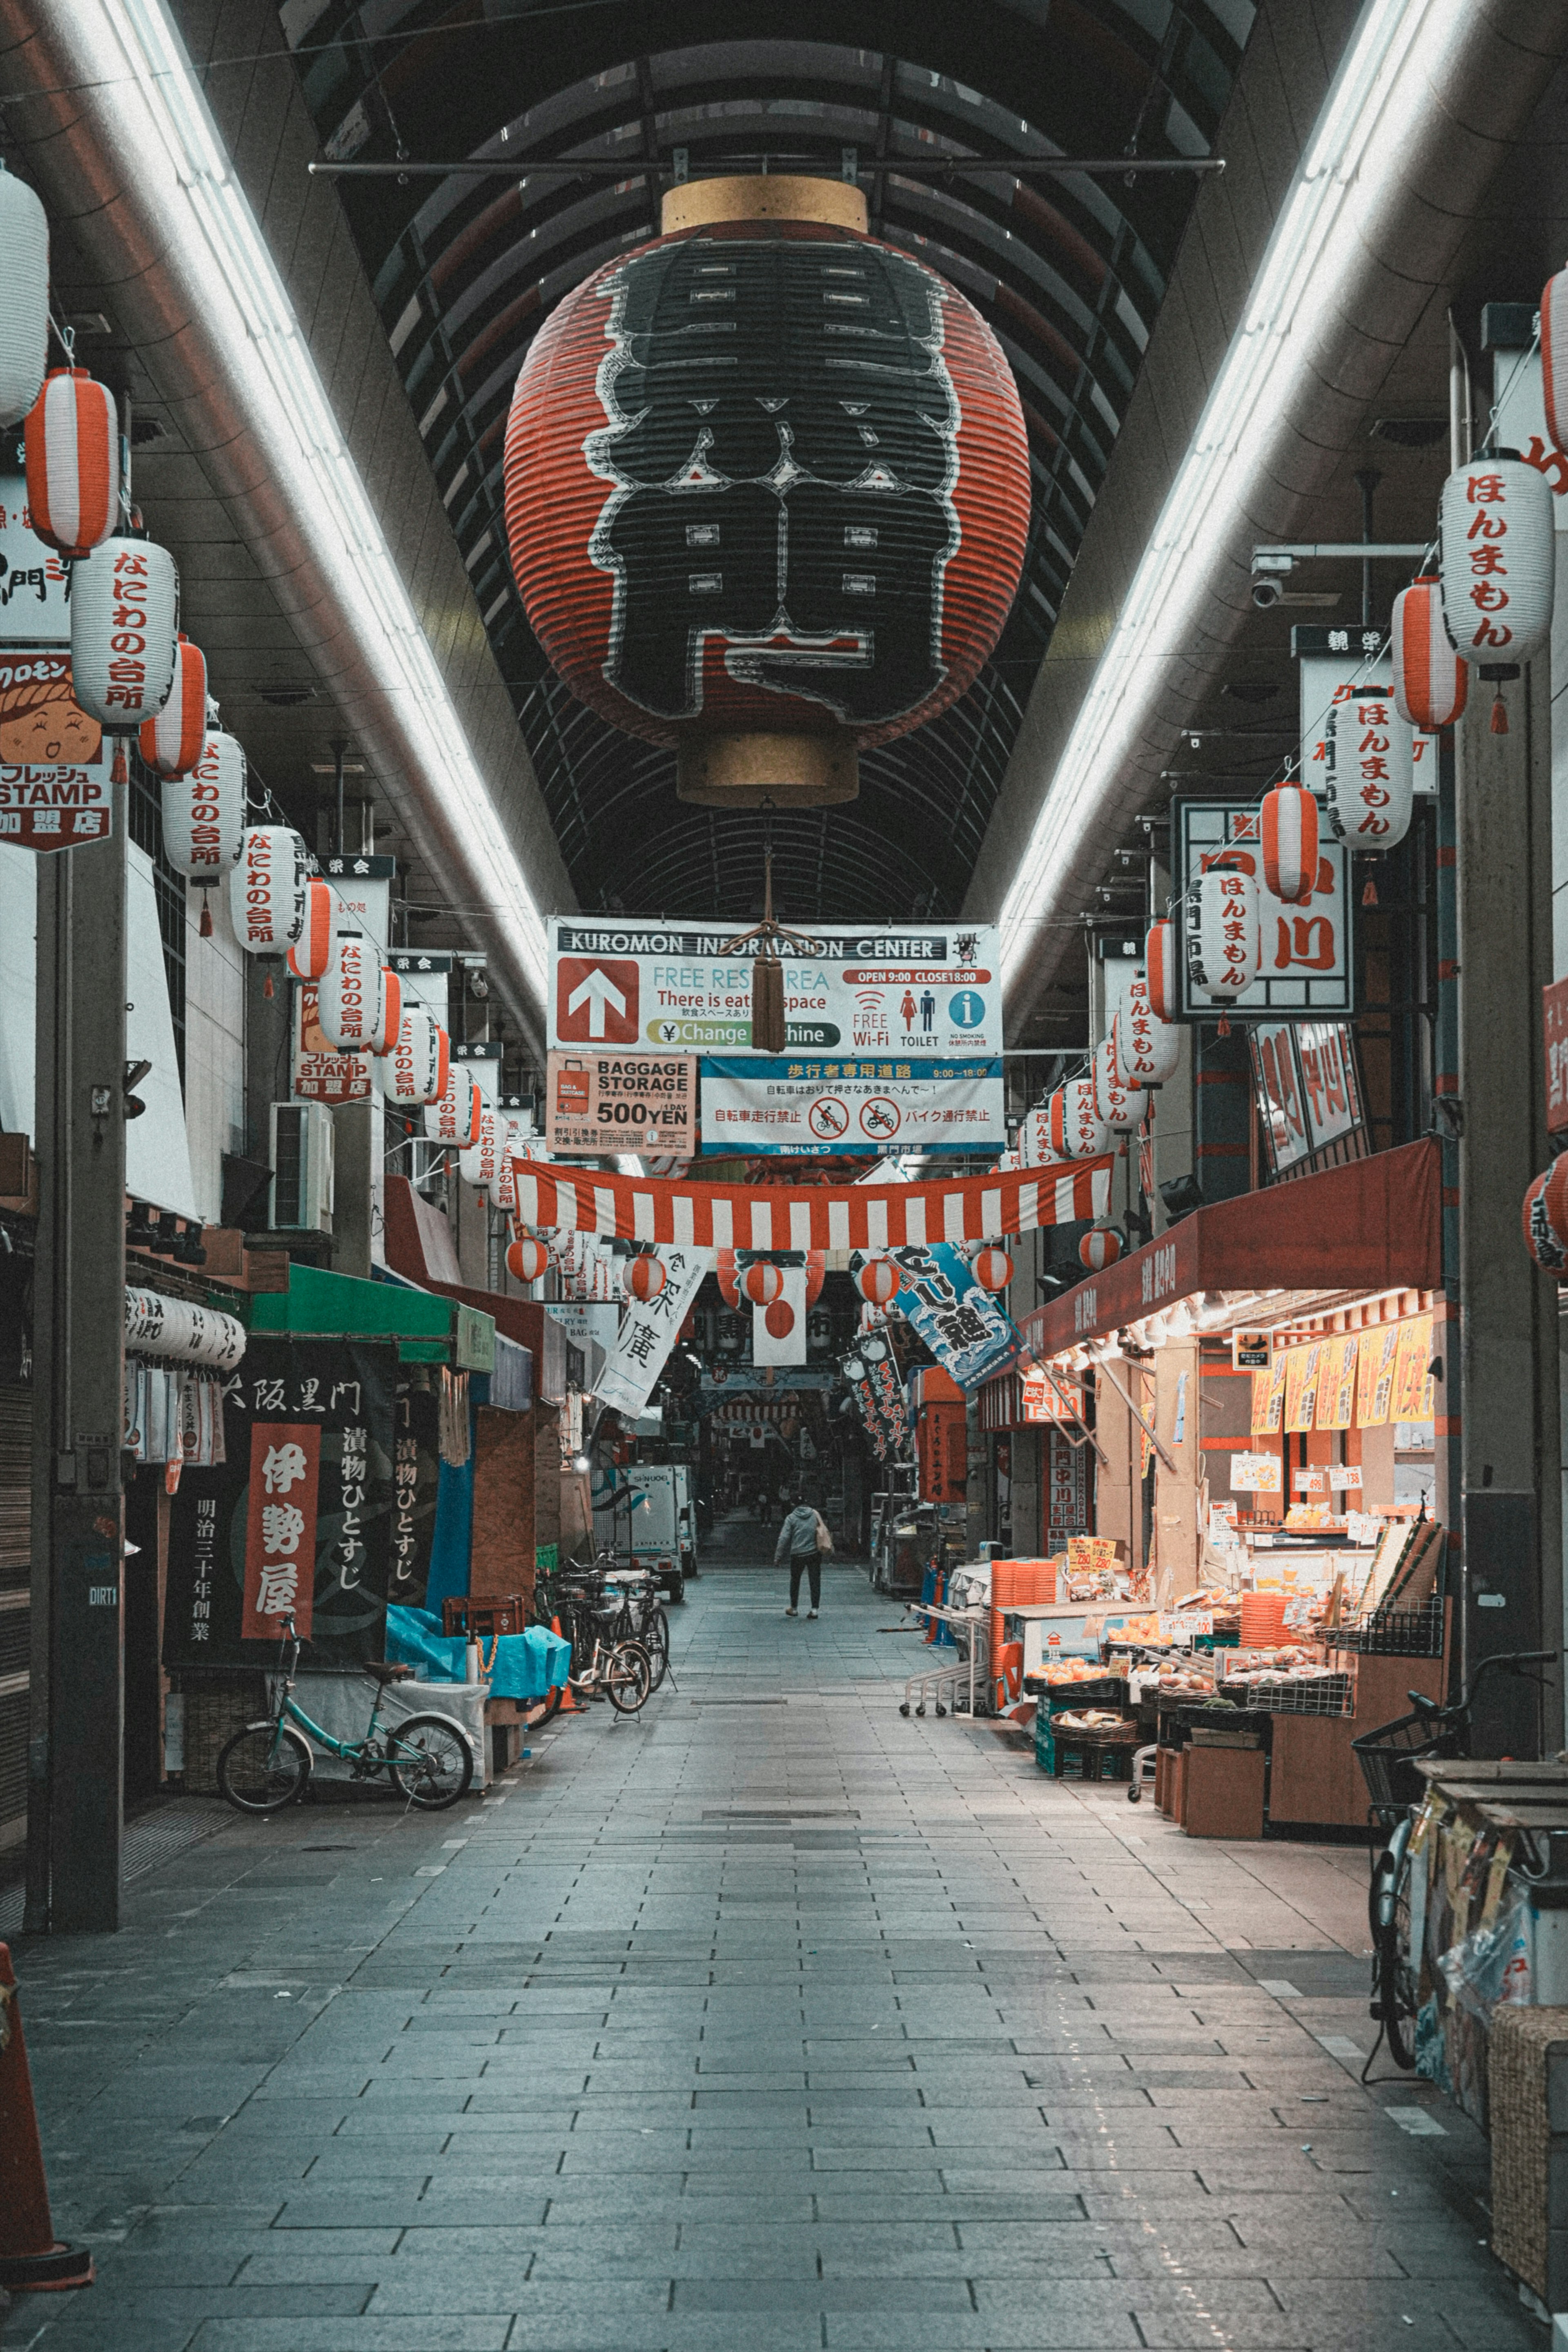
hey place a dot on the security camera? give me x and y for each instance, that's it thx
(1269, 574)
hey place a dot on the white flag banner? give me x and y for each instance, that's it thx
(649, 1330)
(778, 1332)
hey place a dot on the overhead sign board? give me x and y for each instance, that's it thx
(54, 789)
(1343, 665)
(925, 988)
(810, 1104)
(35, 583)
(621, 1102)
(322, 1072)
(1308, 1091)
(1309, 950)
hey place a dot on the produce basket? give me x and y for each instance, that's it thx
(1414, 1632)
(1326, 1695)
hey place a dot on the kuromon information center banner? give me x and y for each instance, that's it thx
(931, 989)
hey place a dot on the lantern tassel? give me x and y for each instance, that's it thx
(1368, 894)
(267, 987)
(1224, 1029)
(1499, 715)
(205, 929)
(119, 773)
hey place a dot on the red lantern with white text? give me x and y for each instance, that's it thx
(266, 890)
(761, 1283)
(125, 607)
(416, 1069)
(173, 741)
(1230, 940)
(526, 1259)
(643, 1277)
(1430, 681)
(1289, 828)
(1159, 952)
(1545, 1217)
(72, 444)
(311, 951)
(992, 1269)
(351, 995)
(879, 1280)
(1100, 1249)
(1498, 567)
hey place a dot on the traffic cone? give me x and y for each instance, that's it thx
(570, 1702)
(32, 2258)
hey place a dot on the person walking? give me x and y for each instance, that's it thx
(802, 1539)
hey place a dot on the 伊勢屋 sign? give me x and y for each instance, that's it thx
(801, 1104)
(622, 1102)
(1308, 969)
(929, 989)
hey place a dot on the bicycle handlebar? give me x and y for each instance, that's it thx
(1510, 1662)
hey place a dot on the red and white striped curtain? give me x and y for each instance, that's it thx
(782, 1217)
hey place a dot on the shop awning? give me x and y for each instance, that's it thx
(1374, 1224)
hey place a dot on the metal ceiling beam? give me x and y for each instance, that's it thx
(923, 167)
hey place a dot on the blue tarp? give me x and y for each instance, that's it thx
(453, 1537)
(526, 1664)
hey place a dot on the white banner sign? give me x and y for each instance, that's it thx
(647, 1332)
(778, 1332)
(931, 988)
(35, 583)
(797, 1105)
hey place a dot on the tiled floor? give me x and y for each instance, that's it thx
(773, 2019)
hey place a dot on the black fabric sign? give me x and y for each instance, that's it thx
(349, 1389)
(417, 1478)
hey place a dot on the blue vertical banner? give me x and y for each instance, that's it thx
(968, 1332)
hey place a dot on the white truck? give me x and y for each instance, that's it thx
(650, 1512)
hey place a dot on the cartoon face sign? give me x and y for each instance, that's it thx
(42, 727)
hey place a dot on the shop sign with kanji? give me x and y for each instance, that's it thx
(322, 1072)
(55, 789)
(1307, 970)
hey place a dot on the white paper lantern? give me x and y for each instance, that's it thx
(454, 1117)
(204, 813)
(476, 1165)
(1146, 1048)
(1554, 358)
(24, 296)
(503, 1183)
(1370, 775)
(1121, 1108)
(1226, 949)
(416, 1069)
(72, 444)
(266, 890)
(1499, 559)
(125, 612)
(313, 950)
(351, 995)
(1078, 1131)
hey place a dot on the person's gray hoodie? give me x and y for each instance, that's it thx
(798, 1534)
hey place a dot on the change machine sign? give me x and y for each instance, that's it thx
(1308, 969)
(931, 989)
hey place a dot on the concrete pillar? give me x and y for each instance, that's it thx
(357, 1157)
(1222, 1112)
(76, 1767)
(1508, 1357)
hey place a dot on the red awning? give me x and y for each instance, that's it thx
(1374, 1224)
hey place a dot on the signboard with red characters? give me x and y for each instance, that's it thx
(1554, 1010)
(1309, 949)
(280, 1529)
(1309, 1094)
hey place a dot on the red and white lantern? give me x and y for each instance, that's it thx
(204, 813)
(1099, 1249)
(1226, 949)
(311, 951)
(1290, 829)
(351, 997)
(1077, 1129)
(1430, 681)
(992, 1269)
(1159, 952)
(1146, 1049)
(1498, 567)
(763, 1283)
(476, 1160)
(645, 1277)
(72, 453)
(266, 889)
(174, 741)
(526, 1259)
(879, 1280)
(1545, 1217)
(125, 609)
(24, 296)
(504, 1183)
(454, 1117)
(1370, 778)
(1554, 358)
(1122, 1109)
(416, 1069)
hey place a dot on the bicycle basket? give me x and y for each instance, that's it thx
(1387, 1757)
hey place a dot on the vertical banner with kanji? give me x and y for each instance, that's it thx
(968, 1332)
(649, 1330)
(1067, 1489)
(280, 1529)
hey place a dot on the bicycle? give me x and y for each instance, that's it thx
(640, 1617)
(603, 1664)
(267, 1765)
(1388, 1756)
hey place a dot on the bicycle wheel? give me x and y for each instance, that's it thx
(430, 1760)
(263, 1767)
(628, 1677)
(1395, 1977)
(655, 1639)
(552, 1700)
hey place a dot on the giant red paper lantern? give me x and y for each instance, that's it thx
(767, 489)
(1430, 681)
(72, 442)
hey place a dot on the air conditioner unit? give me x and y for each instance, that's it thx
(301, 1192)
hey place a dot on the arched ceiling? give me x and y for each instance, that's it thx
(1069, 272)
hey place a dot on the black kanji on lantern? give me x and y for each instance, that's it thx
(782, 440)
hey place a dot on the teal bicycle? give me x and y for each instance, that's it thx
(266, 1766)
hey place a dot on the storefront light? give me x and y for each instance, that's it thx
(152, 114)
(1343, 191)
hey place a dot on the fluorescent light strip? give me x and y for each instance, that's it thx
(249, 307)
(1381, 95)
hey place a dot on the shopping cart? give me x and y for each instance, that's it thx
(958, 1684)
